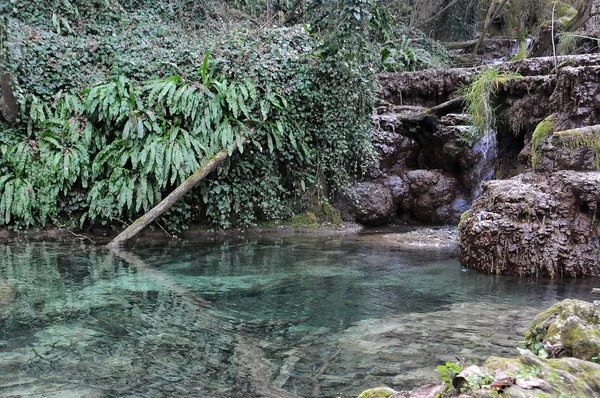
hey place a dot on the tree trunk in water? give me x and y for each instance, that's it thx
(173, 197)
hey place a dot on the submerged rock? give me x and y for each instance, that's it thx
(570, 328)
(535, 224)
(7, 296)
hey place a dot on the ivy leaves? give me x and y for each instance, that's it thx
(162, 130)
(108, 153)
(126, 143)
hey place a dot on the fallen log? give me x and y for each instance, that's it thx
(174, 196)
(461, 45)
(450, 106)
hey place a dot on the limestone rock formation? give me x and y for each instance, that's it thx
(434, 173)
(368, 203)
(570, 328)
(535, 224)
(430, 195)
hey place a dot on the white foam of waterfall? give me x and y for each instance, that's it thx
(515, 48)
(487, 151)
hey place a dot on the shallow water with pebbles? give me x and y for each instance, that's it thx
(270, 316)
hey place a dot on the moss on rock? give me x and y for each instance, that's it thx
(572, 325)
(586, 137)
(305, 220)
(379, 392)
(464, 217)
(541, 132)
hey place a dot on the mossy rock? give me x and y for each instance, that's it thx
(464, 217)
(379, 392)
(566, 377)
(306, 220)
(542, 131)
(580, 138)
(573, 323)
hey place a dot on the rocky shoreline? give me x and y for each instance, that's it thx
(560, 360)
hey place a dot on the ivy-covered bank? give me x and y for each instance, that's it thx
(119, 101)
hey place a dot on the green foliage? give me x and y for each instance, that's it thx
(96, 147)
(536, 348)
(479, 100)
(569, 42)
(328, 118)
(402, 57)
(447, 373)
(128, 143)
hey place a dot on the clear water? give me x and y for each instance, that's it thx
(250, 317)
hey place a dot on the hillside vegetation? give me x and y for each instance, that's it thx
(120, 100)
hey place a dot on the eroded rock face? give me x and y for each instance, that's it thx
(368, 203)
(570, 328)
(432, 172)
(535, 224)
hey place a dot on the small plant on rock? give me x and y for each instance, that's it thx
(479, 100)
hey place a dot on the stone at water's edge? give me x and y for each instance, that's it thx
(525, 377)
(367, 203)
(535, 224)
(570, 328)
(430, 145)
(431, 172)
(565, 377)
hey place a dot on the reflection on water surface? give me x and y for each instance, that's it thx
(261, 316)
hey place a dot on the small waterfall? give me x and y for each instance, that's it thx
(486, 149)
(515, 48)
(513, 52)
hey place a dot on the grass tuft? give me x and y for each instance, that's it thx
(479, 99)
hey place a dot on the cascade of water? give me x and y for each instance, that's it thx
(486, 149)
(515, 48)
